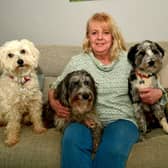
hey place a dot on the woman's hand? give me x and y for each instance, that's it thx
(150, 95)
(60, 110)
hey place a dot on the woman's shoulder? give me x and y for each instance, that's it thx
(80, 58)
(123, 55)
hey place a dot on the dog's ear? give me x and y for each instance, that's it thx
(160, 48)
(131, 54)
(62, 91)
(35, 52)
(1, 60)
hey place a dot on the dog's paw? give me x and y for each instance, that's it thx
(90, 123)
(40, 130)
(165, 128)
(143, 129)
(11, 141)
(164, 125)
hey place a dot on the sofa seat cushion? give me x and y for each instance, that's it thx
(43, 151)
(33, 150)
(151, 153)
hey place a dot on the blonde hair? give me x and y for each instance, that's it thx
(118, 43)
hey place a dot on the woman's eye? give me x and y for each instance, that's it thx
(23, 51)
(93, 33)
(106, 32)
(10, 55)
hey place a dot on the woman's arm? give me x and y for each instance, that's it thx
(150, 95)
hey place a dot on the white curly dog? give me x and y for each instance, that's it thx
(20, 95)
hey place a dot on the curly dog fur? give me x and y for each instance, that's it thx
(20, 95)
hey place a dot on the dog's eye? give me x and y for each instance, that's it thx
(86, 83)
(10, 55)
(155, 51)
(23, 51)
(141, 53)
(75, 83)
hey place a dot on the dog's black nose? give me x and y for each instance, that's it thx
(85, 96)
(151, 63)
(20, 62)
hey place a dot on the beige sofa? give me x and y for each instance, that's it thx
(43, 150)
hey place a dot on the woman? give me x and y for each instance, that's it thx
(104, 57)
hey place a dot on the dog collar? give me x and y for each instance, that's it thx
(22, 81)
(141, 75)
(25, 79)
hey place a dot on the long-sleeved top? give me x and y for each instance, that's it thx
(113, 102)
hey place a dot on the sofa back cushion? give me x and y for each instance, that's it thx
(54, 58)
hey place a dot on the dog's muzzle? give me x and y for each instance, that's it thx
(84, 96)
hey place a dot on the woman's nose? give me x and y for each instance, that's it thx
(100, 35)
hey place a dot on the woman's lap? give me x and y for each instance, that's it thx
(117, 140)
(76, 147)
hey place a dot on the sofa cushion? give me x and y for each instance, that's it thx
(48, 80)
(54, 58)
(151, 153)
(33, 150)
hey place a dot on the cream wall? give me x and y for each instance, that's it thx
(63, 22)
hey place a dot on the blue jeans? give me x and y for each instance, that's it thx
(117, 141)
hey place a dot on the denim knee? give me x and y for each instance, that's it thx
(117, 140)
(77, 134)
(76, 147)
(119, 137)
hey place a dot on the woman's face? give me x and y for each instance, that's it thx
(100, 38)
